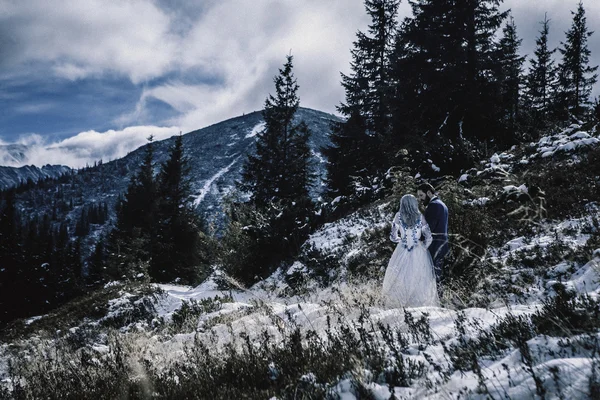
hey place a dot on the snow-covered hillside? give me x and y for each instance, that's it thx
(527, 327)
(216, 156)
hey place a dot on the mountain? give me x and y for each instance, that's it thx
(13, 176)
(216, 154)
(13, 153)
(17, 154)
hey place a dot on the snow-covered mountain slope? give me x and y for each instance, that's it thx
(13, 176)
(17, 154)
(11, 154)
(216, 156)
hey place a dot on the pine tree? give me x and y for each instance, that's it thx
(177, 246)
(11, 256)
(511, 68)
(368, 93)
(369, 86)
(137, 210)
(346, 157)
(576, 76)
(446, 68)
(541, 78)
(96, 262)
(280, 169)
(130, 244)
(82, 227)
(279, 177)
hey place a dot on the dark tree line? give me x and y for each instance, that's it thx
(157, 236)
(92, 214)
(40, 265)
(447, 84)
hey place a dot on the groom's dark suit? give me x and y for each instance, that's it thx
(436, 215)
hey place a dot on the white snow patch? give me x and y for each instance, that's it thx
(31, 320)
(256, 130)
(318, 156)
(210, 181)
(564, 142)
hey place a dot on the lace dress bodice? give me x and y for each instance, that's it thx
(410, 235)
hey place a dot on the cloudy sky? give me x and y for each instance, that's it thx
(98, 76)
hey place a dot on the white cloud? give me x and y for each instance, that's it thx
(231, 47)
(34, 107)
(86, 147)
(244, 43)
(82, 38)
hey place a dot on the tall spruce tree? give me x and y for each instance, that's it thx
(278, 176)
(446, 67)
(177, 243)
(347, 160)
(576, 76)
(10, 254)
(511, 69)
(369, 86)
(130, 244)
(367, 107)
(280, 168)
(541, 78)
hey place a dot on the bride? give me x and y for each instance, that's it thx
(409, 279)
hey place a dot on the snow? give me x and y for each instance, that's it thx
(264, 307)
(276, 312)
(296, 267)
(564, 142)
(332, 235)
(210, 181)
(31, 320)
(585, 279)
(580, 135)
(260, 309)
(481, 201)
(318, 156)
(256, 130)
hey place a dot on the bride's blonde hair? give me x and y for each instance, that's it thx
(409, 210)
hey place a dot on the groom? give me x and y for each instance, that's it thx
(436, 215)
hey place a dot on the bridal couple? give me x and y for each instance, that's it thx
(415, 268)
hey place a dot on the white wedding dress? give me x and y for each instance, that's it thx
(409, 278)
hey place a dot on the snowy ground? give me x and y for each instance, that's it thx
(254, 311)
(507, 375)
(557, 367)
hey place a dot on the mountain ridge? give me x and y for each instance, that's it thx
(216, 154)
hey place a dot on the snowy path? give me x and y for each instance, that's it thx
(210, 181)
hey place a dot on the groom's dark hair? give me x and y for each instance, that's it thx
(426, 187)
